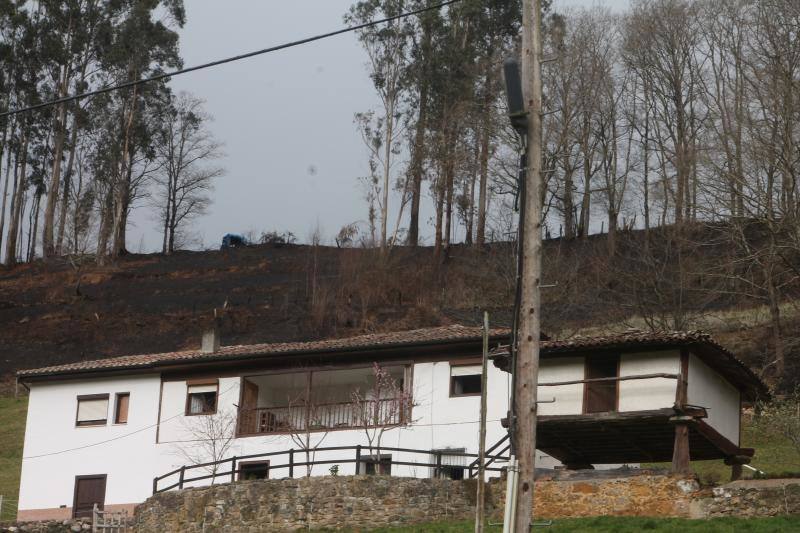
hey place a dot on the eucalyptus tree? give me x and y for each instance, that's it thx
(139, 39)
(68, 43)
(387, 46)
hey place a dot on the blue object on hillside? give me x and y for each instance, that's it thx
(232, 240)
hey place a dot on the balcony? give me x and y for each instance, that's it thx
(327, 400)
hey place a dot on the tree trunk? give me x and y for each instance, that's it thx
(48, 247)
(104, 232)
(387, 166)
(5, 185)
(62, 220)
(480, 237)
(437, 247)
(37, 202)
(418, 150)
(449, 183)
(20, 167)
(122, 193)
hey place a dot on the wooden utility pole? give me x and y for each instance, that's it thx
(528, 330)
(480, 499)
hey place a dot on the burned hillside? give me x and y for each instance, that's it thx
(74, 309)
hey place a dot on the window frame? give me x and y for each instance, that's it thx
(117, 398)
(251, 463)
(90, 397)
(470, 362)
(367, 461)
(198, 382)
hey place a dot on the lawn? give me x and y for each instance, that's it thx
(627, 525)
(12, 432)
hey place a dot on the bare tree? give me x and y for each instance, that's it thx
(383, 406)
(185, 150)
(305, 424)
(386, 48)
(210, 440)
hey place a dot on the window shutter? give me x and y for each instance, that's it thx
(468, 370)
(89, 410)
(196, 389)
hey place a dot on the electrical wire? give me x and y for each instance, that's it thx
(218, 62)
(119, 437)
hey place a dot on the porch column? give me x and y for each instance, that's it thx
(680, 450)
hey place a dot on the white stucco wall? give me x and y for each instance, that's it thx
(645, 394)
(48, 480)
(130, 457)
(710, 390)
(568, 398)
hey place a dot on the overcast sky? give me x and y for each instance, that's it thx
(294, 155)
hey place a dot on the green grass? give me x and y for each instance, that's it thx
(627, 525)
(12, 433)
(774, 456)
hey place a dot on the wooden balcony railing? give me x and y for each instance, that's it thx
(322, 416)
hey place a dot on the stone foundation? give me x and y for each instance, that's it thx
(309, 503)
(49, 526)
(588, 494)
(766, 497)
(374, 501)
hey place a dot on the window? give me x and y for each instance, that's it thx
(201, 397)
(371, 465)
(253, 470)
(601, 396)
(121, 408)
(451, 463)
(92, 410)
(465, 380)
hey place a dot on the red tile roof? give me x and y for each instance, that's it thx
(705, 346)
(426, 336)
(712, 352)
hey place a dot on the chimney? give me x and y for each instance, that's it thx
(210, 342)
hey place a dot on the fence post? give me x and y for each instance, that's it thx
(233, 469)
(155, 485)
(291, 462)
(1, 507)
(180, 479)
(358, 459)
(438, 464)
(94, 518)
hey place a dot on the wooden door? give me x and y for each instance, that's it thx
(601, 396)
(249, 404)
(89, 490)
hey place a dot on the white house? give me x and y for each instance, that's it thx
(114, 430)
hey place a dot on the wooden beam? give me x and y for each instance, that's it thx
(619, 378)
(680, 450)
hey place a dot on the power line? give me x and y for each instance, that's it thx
(119, 437)
(227, 60)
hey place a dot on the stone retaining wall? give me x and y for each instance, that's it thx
(632, 495)
(49, 526)
(374, 501)
(766, 497)
(309, 503)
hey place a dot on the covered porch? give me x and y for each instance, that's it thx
(661, 435)
(323, 400)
